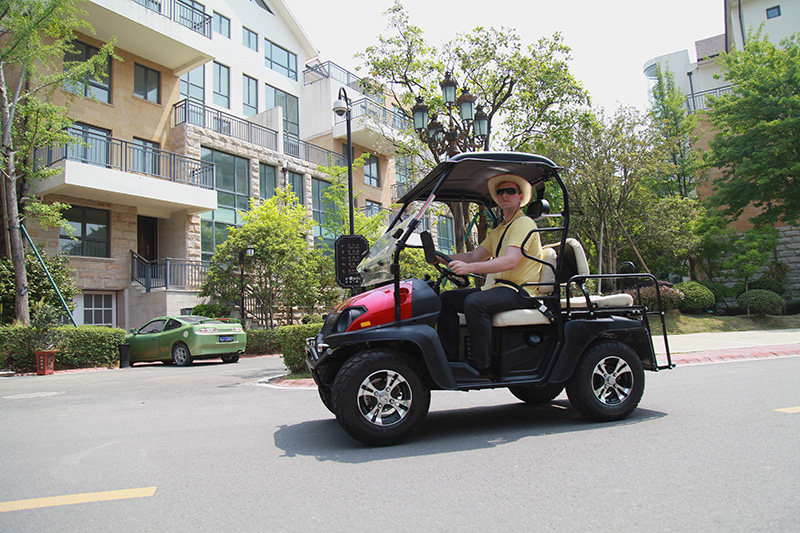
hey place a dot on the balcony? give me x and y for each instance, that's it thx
(168, 32)
(167, 273)
(330, 70)
(105, 169)
(311, 152)
(373, 126)
(699, 101)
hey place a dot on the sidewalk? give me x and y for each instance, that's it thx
(729, 346)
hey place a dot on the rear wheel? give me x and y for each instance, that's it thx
(230, 358)
(379, 398)
(608, 382)
(534, 395)
(181, 355)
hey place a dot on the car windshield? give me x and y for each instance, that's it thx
(375, 267)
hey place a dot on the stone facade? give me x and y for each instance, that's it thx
(788, 252)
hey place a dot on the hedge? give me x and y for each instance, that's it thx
(697, 298)
(671, 299)
(262, 341)
(81, 347)
(761, 302)
(293, 342)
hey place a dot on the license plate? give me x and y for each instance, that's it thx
(226, 338)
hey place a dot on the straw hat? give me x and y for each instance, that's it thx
(523, 185)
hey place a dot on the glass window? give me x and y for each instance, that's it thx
(291, 111)
(146, 83)
(94, 88)
(372, 208)
(371, 176)
(193, 84)
(232, 183)
(222, 25)
(773, 12)
(144, 157)
(266, 181)
(93, 145)
(154, 326)
(90, 237)
(446, 240)
(97, 309)
(320, 207)
(295, 181)
(250, 39)
(249, 95)
(280, 59)
(222, 86)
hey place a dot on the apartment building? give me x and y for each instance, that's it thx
(780, 19)
(213, 104)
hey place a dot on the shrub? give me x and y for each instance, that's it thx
(262, 341)
(792, 308)
(211, 310)
(293, 343)
(312, 319)
(670, 298)
(768, 284)
(696, 297)
(719, 290)
(761, 302)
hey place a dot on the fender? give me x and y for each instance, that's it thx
(423, 336)
(580, 333)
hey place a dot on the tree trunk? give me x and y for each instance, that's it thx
(21, 309)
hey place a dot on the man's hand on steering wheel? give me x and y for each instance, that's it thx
(459, 280)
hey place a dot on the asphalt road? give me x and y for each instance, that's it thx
(206, 448)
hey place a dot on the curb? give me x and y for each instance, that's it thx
(736, 354)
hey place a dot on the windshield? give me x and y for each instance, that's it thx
(375, 267)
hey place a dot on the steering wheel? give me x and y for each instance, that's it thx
(432, 256)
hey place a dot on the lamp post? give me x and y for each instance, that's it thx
(342, 108)
(247, 252)
(465, 133)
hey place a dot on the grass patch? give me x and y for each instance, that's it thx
(298, 375)
(678, 323)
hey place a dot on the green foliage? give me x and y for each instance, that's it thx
(697, 298)
(719, 290)
(81, 347)
(757, 125)
(262, 341)
(772, 279)
(312, 319)
(293, 341)
(671, 299)
(211, 310)
(751, 252)
(761, 302)
(39, 287)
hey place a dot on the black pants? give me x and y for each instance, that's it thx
(478, 306)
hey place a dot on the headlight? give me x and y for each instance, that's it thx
(348, 316)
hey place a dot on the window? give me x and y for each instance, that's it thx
(94, 88)
(446, 240)
(295, 181)
(280, 60)
(320, 207)
(291, 110)
(249, 96)
(222, 25)
(250, 39)
(193, 84)
(95, 309)
(191, 14)
(146, 83)
(371, 176)
(773, 12)
(232, 183)
(372, 208)
(93, 146)
(152, 327)
(222, 86)
(90, 236)
(144, 157)
(266, 181)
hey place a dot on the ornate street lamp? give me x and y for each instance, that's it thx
(464, 133)
(342, 108)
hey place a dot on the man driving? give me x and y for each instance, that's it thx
(499, 254)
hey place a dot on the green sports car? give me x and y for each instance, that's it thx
(182, 339)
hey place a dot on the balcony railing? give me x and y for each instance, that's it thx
(182, 13)
(699, 101)
(108, 152)
(167, 273)
(187, 111)
(331, 70)
(310, 152)
(400, 188)
(367, 108)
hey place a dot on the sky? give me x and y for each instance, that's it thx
(610, 40)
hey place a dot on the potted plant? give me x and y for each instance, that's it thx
(43, 321)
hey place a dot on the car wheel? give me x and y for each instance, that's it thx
(533, 394)
(607, 383)
(230, 358)
(379, 397)
(181, 355)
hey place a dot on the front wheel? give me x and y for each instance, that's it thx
(607, 383)
(379, 397)
(181, 355)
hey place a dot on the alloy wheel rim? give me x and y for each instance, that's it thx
(612, 381)
(384, 398)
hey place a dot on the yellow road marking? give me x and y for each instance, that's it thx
(789, 409)
(71, 499)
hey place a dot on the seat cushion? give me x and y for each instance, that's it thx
(611, 300)
(514, 317)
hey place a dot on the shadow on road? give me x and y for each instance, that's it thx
(446, 431)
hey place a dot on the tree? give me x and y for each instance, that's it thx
(757, 144)
(34, 39)
(40, 289)
(674, 132)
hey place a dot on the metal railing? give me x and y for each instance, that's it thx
(331, 70)
(367, 108)
(108, 152)
(167, 273)
(699, 101)
(190, 112)
(182, 13)
(311, 152)
(400, 188)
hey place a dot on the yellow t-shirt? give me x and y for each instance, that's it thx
(527, 270)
